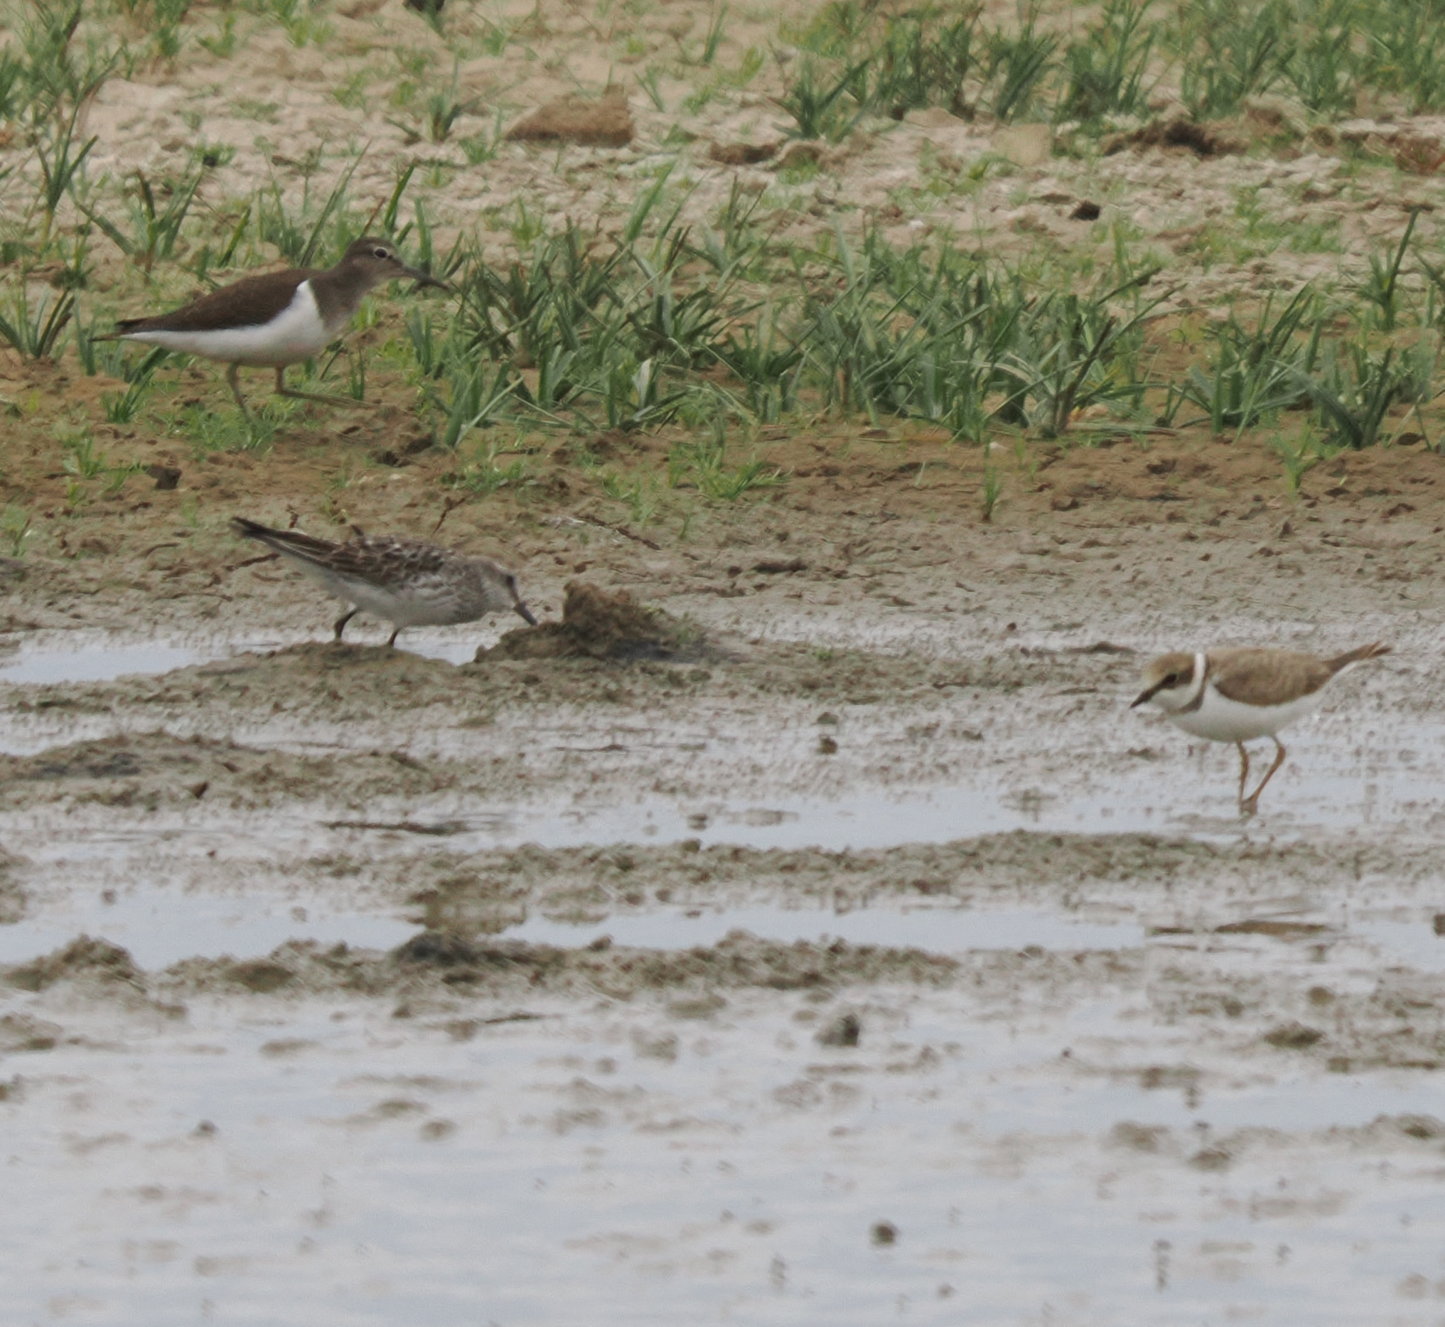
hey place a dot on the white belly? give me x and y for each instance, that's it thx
(430, 603)
(297, 333)
(1223, 720)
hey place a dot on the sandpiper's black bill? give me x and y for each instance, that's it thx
(525, 614)
(426, 279)
(1143, 696)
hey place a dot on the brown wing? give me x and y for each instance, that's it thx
(293, 542)
(1267, 677)
(387, 560)
(249, 302)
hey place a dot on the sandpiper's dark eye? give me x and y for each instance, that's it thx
(381, 251)
(1171, 680)
(512, 584)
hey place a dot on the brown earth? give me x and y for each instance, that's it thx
(858, 639)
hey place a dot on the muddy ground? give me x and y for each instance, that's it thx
(854, 954)
(827, 943)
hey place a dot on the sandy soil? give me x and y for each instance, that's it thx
(846, 952)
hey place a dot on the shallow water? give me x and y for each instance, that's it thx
(1313, 792)
(875, 818)
(161, 925)
(51, 657)
(552, 1170)
(90, 662)
(934, 930)
(604, 1161)
(1389, 775)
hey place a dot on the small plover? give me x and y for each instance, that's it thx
(275, 319)
(405, 581)
(1240, 694)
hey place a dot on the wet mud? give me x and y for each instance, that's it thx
(717, 935)
(796, 925)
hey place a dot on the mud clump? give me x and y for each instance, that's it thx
(1427, 1128)
(1178, 132)
(603, 624)
(148, 772)
(437, 949)
(105, 759)
(262, 975)
(740, 960)
(843, 1031)
(82, 957)
(1293, 1036)
(604, 121)
(13, 898)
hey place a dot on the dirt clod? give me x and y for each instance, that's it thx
(82, 957)
(604, 121)
(603, 624)
(1178, 132)
(844, 1030)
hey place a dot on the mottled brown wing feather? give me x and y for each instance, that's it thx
(1267, 677)
(386, 560)
(248, 303)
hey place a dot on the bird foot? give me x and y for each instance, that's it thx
(324, 399)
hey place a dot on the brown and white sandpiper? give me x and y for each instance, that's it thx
(276, 319)
(1236, 695)
(405, 581)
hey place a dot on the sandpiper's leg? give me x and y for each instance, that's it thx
(391, 640)
(283, 390)
(1243, 772)
(343, 620)
(231, 371)
(1251, 803)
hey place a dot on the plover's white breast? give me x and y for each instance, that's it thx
(298, 332)
(1223, 720)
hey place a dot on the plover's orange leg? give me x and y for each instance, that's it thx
(1251, 803)
(1243, 772)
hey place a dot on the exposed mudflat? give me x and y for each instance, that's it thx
(851, 954)
(796, 926)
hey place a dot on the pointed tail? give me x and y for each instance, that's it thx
(1342, 661)
(292, 542)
